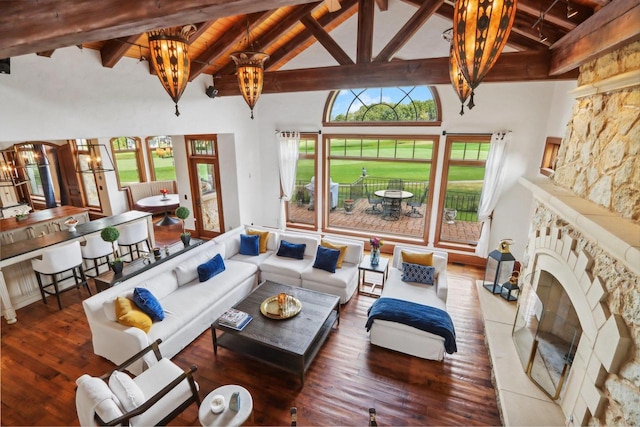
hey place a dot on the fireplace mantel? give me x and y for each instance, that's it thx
(618, 236)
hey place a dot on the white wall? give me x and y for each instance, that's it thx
(71, 95)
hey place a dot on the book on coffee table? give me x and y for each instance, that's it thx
(233, 318)
(241, 325)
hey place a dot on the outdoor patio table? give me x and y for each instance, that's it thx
(403, 195)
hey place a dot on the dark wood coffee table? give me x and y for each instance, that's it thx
(289, 344)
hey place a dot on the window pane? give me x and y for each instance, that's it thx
(88, 181)
(462, 196)
(387, 104)
(161, 156)
(127, 167)
(301, 207)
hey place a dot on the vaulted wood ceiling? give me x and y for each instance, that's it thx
(285, 28)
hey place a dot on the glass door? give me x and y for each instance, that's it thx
(205, 186)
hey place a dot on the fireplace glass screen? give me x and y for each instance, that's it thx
(546, 332)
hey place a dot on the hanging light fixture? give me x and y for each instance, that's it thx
(480, 31)
(458, 81)
(250, 71)
(170, 60)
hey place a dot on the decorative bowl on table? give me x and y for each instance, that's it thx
(280, 307)
(71, 223)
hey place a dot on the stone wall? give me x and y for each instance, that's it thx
(599, 158)
(621, 388)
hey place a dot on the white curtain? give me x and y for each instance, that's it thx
(288, 147)
(493, 176)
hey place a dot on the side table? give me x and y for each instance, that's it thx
(226, 417)
(366, 269)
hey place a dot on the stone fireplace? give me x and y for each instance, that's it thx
(585, 237)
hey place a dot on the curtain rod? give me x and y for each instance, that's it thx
(301, 131)
(444, 132)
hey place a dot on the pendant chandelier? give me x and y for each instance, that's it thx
(168, 47)
(459, 83)
(250, 72)
(480, 31)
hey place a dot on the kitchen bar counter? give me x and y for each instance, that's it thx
(18, 286)
(37, 217)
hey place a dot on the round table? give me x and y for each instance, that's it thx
(402, 195)
(168, 202)
(227, 417)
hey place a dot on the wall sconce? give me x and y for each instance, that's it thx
(93, 162)
(170, 59)
(480, 31)
(250, 72)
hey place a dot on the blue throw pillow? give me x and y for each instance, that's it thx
(210, 268)
(250, 245)
(148, 303)
(327, 259)
(291, 250)
(418, 273)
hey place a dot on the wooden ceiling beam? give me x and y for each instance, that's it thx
(364, 50)
(115, 49)
(424, 12)
(282, 26)
(325, 40)
(30, 27)
(383, 5)
(325, 20)
(231, 37)
(510, 67)
(612, 27)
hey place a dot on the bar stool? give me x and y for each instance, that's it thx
(132, 235)
(56, 261)
(98, 251)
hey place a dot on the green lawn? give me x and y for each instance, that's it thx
(128, 169)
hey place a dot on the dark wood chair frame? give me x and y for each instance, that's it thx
(77, 274)
(188, 375)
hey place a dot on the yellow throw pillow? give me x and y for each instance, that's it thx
(264, 237)
(341, 248)
(417, 258)
(128, 314)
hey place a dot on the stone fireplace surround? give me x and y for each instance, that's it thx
(595, 254)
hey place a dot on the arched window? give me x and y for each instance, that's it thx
(388, 106)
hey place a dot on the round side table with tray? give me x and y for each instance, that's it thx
(227, 417)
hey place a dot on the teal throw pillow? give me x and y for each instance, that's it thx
(211, 268)
(291, 250)
(326, 259)
(148, 303)
(418, 273)
(250, 244)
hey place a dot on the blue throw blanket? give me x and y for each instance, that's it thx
(424, 317)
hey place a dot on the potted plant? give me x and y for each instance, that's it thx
(348, 206)
(111, 234)
(183, 213)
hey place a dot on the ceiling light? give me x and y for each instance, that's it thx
(458, 81)
(169, 48)
(480, 31)
(93, 162)
(250, 72)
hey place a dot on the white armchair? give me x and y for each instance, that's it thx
(154, 397)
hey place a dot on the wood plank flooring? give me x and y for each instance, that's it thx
(47, 350)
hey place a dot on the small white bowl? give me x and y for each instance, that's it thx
(217, 404)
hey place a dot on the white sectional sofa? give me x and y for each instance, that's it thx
(190, 306)
(404, 338)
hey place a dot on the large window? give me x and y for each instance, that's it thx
(409, 105)
(128, 160)
(160, 155)
(301, 208)
(462, 180)
(363, 168)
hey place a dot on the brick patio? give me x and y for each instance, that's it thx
(459, 231)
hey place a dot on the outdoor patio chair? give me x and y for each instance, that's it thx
(395, 184)
(415, 205)
(375, 202)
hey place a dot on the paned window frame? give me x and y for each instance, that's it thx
(142, 175)
(150, 162)
(307, 138)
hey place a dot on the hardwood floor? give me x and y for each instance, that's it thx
(47, 350)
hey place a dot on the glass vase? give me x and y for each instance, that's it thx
(375, 256)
